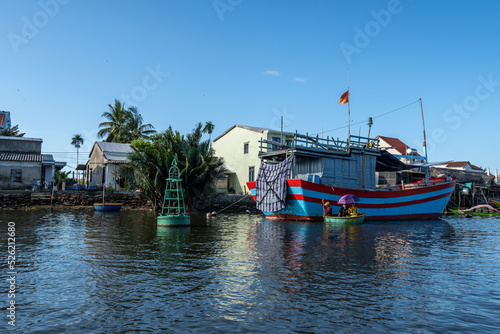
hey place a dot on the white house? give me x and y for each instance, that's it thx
(103, 166)
(239, 147)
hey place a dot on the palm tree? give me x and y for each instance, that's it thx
(115, 129)
(136, 128)
(152, 159)
(209, 128)
(12, 132)
(77, 141)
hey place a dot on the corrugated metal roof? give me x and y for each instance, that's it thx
(116, 159)
(463, 175)
(22, 157)
(114, 147)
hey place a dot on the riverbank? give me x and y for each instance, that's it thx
(132, 201)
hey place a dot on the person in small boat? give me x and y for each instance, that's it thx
(353, 210)
(344, 211)
(328, 209)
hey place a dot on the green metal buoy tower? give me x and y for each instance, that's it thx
(173, 212)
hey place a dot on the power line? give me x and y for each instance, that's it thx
(386, 113)
(64, 152)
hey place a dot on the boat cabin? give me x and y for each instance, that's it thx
(327, 161)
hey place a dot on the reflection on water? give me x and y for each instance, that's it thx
(86, 272)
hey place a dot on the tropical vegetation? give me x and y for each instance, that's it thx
(12, 132)
(60, 177)
(152, 159)
(209, 128)
(123, 125)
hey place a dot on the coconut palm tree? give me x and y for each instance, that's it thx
(77, 141)
(209, 128)
(115, 128)
(135, 127)
(153, 157)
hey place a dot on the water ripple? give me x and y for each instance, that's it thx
(82, 272)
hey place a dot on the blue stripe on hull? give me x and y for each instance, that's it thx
(366, 200)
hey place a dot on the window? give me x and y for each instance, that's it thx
(251, 173)
(289, 143)
(16, 175)
(277, 140)
(245, 148)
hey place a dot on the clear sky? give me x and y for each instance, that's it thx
(250, 62)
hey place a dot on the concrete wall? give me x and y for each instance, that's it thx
(20, 144)
(30, 171)
(95, 166)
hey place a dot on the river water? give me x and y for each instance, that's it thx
(85, 272)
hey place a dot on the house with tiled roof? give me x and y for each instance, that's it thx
(103, 166)
(239, 147)
(397, 148)
(23, 166)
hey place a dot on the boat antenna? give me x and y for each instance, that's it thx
(425, 143)
(281, 130)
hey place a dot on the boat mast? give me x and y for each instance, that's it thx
(425, 143)
(348, 113)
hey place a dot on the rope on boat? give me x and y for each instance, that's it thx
(230, 205)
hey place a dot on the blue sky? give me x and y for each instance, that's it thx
(251, 62)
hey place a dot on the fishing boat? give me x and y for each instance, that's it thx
(497, 203)
(358, 219)
(295, 178)
(107, 207)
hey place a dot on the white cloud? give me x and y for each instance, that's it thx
(299, 79)
(275, 73)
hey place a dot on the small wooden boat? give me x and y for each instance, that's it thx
(471, 213)
(497, 203)
(107, 206)
(358, 219)
(490, 211)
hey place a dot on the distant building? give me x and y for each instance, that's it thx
(398, 149)
(103, 166)
(4, 120)
(239, 147)
(22, 164)
(394, 165)
(460, 165)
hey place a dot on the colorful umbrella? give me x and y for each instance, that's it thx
(348, 199)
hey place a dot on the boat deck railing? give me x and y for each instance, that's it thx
(316, 143)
